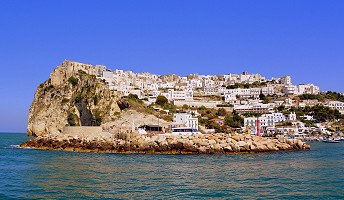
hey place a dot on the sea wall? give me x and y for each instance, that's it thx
(195, 144)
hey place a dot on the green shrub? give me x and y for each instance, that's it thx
(202, 108)
(221, 112)
(133, 96)
(71, 119)
(64, 100)
(74, 81)
(161, 100)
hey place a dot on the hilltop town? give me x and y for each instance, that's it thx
(240, 103)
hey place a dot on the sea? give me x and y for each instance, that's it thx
(49, 174)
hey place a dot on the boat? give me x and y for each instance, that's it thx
(330, 141)
(339, 139)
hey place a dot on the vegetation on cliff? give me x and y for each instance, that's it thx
(334, 96)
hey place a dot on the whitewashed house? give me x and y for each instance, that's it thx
(336, 105)
(186, 119)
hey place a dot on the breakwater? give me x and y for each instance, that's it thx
(162, 144)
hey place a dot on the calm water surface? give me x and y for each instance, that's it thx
(39, 174)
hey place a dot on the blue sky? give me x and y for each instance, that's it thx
(301, 38)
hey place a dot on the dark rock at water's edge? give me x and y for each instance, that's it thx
(196, 144)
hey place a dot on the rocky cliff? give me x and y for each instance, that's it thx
(71, 96)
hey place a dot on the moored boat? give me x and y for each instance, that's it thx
(330, 141)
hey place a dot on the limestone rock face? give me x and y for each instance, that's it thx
(71, 96)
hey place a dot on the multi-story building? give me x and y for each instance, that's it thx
(257, 108)
(228, 97)
(185, 119)
(265, 122)
(307, 89)
(277, 117)
(179, 95)
(292, 116)
(285, 80)
(208, 83)
(255, 92)
(268, 90)
(336, 105)
(211, 91)
(289, 89)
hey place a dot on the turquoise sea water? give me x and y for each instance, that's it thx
(39, 174)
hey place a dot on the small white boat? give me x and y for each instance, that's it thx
(330, 141)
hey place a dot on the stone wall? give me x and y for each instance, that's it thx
(82, 130)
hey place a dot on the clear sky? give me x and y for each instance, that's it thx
(301, 38)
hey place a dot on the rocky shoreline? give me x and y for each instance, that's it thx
(161, 144)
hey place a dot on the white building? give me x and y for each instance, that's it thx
(277, 117)
(154, 93)
(186, 119)
(292, 116)
(336, 105)
(285, 80)
(231, 78)
(307, 117)
(256, 108)
(195, 83)
(167, 85)
(289, 89)
(255, 92)
(211, 91)
(266, 122)
(268, 90)
(244, 77)
(107, 74)
(307, 89)
(228, 97)
(208, 83)
(179, 95)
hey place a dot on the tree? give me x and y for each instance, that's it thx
(185, 107)
(280, 108)
(216, 126)
(221, 112)
(161, 100)
(202, 108)
(133, 96)
(234, 120)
